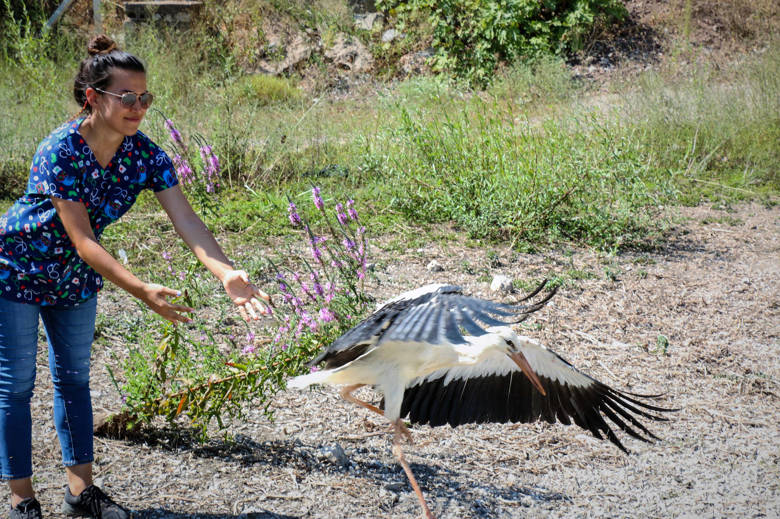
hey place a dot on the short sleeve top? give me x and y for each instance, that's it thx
(38, 263)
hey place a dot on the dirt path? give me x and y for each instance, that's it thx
(713, 293)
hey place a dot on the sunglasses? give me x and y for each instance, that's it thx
(128, 99)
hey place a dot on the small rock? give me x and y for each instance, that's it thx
(434, 266)
(366, 22)
(350, 54)
(501, 283)
(333, 454)
(389, 35)
(385, 495)
(395, 487)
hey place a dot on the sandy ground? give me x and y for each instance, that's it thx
(713, 291)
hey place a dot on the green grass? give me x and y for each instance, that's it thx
(533, 161)
(529, 161)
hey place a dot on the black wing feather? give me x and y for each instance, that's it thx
(512, 398)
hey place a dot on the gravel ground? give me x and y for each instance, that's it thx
(712, 291)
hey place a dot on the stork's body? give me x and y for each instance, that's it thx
(414, 352)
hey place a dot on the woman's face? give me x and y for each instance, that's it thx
(109, 108)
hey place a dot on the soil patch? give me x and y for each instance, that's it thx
(698, 321)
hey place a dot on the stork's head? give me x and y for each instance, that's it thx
(507, 338)
(514, 350)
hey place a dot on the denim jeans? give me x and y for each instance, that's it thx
(69, 330)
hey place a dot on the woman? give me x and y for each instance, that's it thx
(84, 176)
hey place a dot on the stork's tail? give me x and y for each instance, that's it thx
(303, 381)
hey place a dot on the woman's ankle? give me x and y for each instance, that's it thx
(21, 489)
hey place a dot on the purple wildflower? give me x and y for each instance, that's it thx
(340, 215)
(183, 169)
(295, 218)
(326, 314)
(315, 193)
(175, 135)
(211, 167)
(205, 152)
(306, 291)
(317, 253)
(351, 209)
(214, 160)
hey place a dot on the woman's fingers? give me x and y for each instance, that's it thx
(263, 308)
(251, 310)
(157, 300)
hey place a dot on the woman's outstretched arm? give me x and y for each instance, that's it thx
(205, 247)
(76, 222)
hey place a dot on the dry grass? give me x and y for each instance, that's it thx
(712, 292)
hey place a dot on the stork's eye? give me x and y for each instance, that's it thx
(511, 344)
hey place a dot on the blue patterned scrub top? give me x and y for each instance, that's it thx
(38, 263)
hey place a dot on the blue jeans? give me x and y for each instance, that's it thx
(69, 330)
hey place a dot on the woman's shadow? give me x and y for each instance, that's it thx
(441, 483)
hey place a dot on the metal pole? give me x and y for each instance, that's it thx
(97, 17)
(57, 13)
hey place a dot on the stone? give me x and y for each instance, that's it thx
(333, 454)
(434, 266)
(350, 54)
(389, 35)
(416, 63)
(501, 283)
(297, 51)
(366, 22)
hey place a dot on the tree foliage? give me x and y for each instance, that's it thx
(472, 36)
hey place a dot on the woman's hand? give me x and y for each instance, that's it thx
(155, 296)
(246, 295)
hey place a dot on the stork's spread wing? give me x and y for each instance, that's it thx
(497, 391)
(433, 314)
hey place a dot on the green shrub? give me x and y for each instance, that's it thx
(498, 177)
(472, 36)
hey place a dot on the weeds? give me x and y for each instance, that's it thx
(208, 372)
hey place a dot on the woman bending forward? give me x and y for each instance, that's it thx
(84, 176)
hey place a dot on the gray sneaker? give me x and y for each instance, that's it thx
(92, 502)
(28, 508)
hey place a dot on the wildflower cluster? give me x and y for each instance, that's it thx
(324, 290)
(209, 373)
(203, 180)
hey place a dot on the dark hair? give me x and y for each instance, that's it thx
(95, 70)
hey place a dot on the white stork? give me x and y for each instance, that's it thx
(413, 349)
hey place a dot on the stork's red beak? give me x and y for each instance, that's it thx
(522, 363)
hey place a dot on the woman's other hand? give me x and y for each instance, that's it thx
(246, 295)
(156, 297)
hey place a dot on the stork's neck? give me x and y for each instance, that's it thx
(477, 349)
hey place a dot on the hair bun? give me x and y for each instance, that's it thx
(100, 44)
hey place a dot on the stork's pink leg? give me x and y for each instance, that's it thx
(346, 394)
(400, 429)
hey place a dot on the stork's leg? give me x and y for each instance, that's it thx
(400, 429)
(346, 394)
